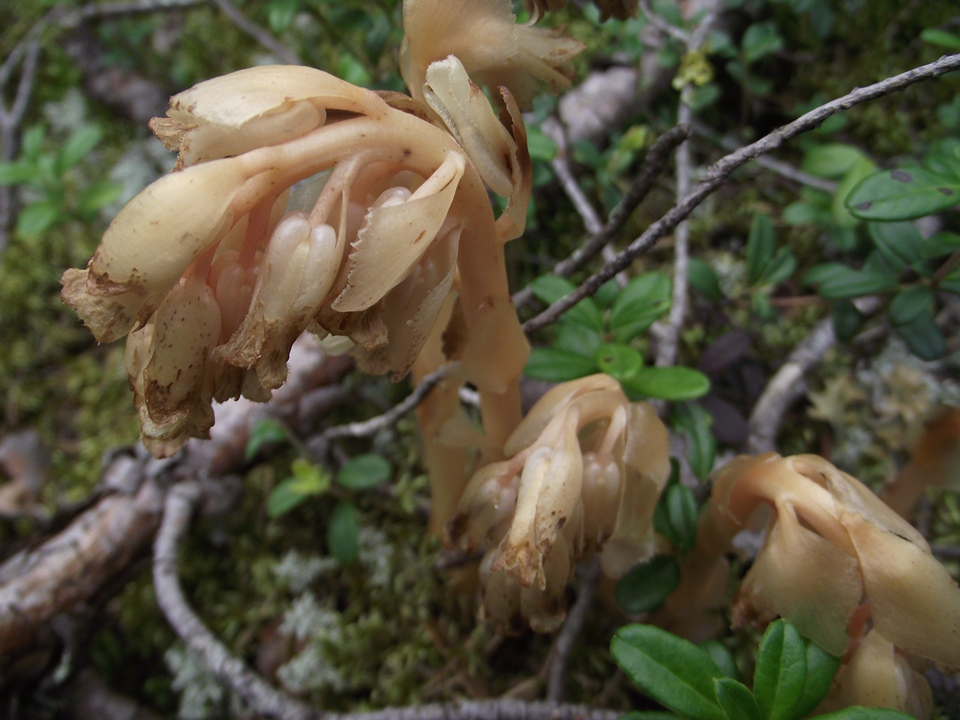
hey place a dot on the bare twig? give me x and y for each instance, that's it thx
(591, 221)
(268, 41)
(653, 165)
(781, 168)
(785, 386)
(374, 425)
(567, 637)
(256, 691)
(485, 710)
(91, 11)
(717, 174)
(671, 30)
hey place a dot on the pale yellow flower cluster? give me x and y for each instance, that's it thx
(583, 474)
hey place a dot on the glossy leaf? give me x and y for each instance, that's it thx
(944, 39)
(842, 217)
(674, 672)
(864, 713)
(558, 365)
(843, 282)
(759, 40)
(723, 657)
(941, 243)
(620, 362)
(822, 667)
(669, 383)
(736, 699)
(343, 533)
(644, 587)
(639, 304)
(781, 671)
(899, 242)
(364, 472)
(903, 194)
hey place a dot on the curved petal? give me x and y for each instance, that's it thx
(150, 244)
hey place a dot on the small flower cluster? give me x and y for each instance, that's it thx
(584, 472)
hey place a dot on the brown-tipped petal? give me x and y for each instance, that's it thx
(394, 238)
(149, 245)
(560, 494)
(915, 603)
(880, 677)
(298, 270)
(255, 107)
(802, 577)
(513, 220)
(178, 375)
(518, 551)
(544, 606)
(467, 114)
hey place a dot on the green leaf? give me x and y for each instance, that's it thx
(780, 267)
(821, 669)
(843, 282)
(842, 215)
(760, 247)
(736, 699)
(577, 339)
(909, 303)
(364, 472)
(696, 423)
(674, 672)
(942, 38)
(17, 173)
(703, 279)
(77, 147)
(649, 714)
(644, 587)
(864, 713)
(847, 320)
(550, 288)
(309, 478)
(343, 533)
(281, 13)
(903, 194)
(262, 433)
(284, 498)
(669, 383)
(97, 196)
(620, 362)
(942, 243)
(781, 671)
(723, 657)
(802, 213)
(675, 517)
(38, 217)
(950, 282)
(923, 337)
(899, 243)
(541, 147)
(833, 160)
(31, 146)
(607, 293)
(558, 365)
(759, 40)
(639, 304)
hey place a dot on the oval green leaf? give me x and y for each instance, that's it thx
(903, 194)
(364, 472)
(620, 362)
(781, 671)
(674, 672)
(909, 303)
(736, 699)
(669, 383)
(343, 533)
(558, 365)
(646, 586)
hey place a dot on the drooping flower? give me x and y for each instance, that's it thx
(835, 557)
(213, 246)
(485, 37)
(583, 473)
